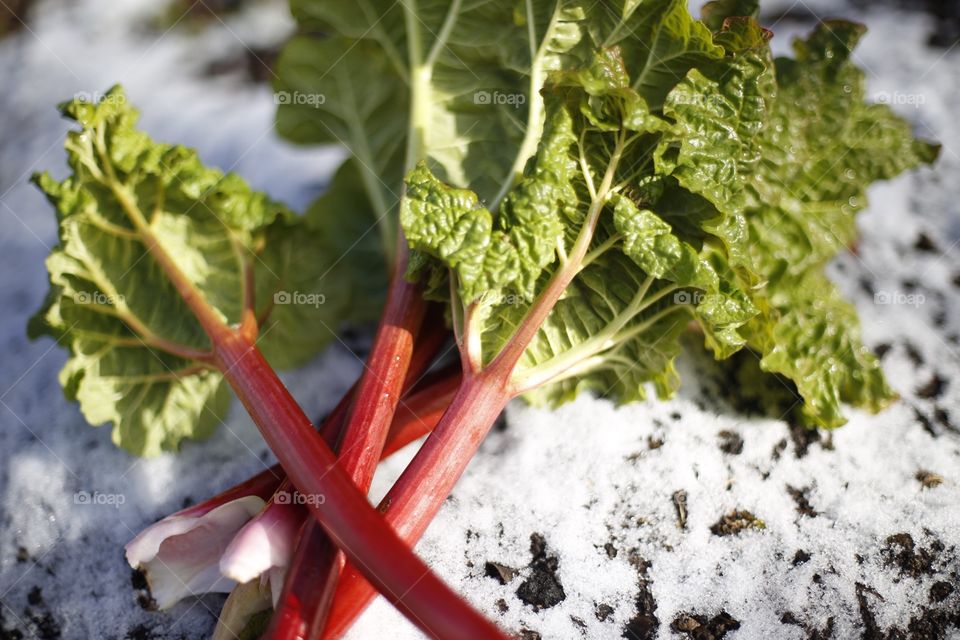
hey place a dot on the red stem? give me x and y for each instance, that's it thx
(365, 433)
(303, 593)
(346, 515)
(420, 412)
(418, 415)
(419, 493)
(349, 519)
(264, 485)
(313, 573)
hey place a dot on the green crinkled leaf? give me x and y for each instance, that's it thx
(713, 148)
(133, 341)
(592, 302)
(714, 13)
(659, 39)
(814, 341)
(643, 284)
(450, 225)
(475, 71)
(823, 145)
(698, 218)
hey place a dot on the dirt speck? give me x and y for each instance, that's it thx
(932, 388)
(644, 624)
(735, 522)
(35, 596)
(802, 501)
(542, 589)
(940, 591)
(499, 572)
(731, 442)
(603, 612)
(925, 243)
(699, 627)
(901, 551)
(928, 479)
(140, 632)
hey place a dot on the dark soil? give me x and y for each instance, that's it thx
(802, 501)
(933, 388)
(643, 625)
(542, 589)
(730, 442)
(735, 522)
(699, 627)
(13, 15)
(911, 559)
(603, 611)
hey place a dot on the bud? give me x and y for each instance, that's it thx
(180, 554)
(264, 545)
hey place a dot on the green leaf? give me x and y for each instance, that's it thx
(676, 206)
(660, 41)
(815, 341)
(614, 327)
(345, 224)
(716, 12)
(456, 84)
(713, 148)
(339, 91)
(593, 301)
(137, 351)
(823, 145)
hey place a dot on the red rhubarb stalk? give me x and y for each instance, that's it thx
(348, 518)
(350, 521)
(392, 367)
(416, 417)
(418, 494)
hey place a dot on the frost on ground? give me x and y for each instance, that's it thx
(706, 516)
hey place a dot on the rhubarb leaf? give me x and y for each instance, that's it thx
(713, 148)
(461, 91)
(710, 197)
(638, 285)
(451, 225)
(802, 214)
(714, 13)
(659, 39)
(137, 351)
(815, 341)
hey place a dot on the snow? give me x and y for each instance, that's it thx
(589, 477)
